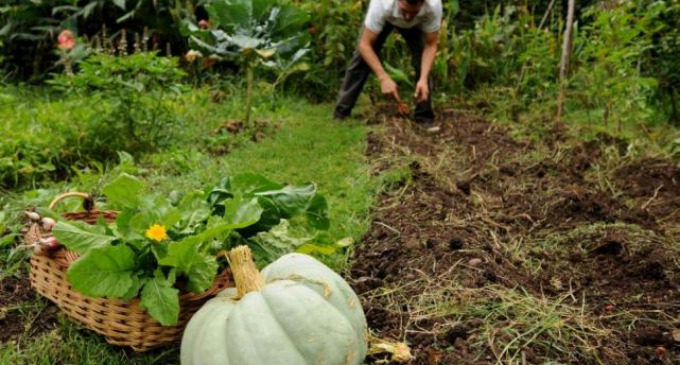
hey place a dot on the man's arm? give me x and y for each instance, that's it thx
(429, 53)
(388, 86)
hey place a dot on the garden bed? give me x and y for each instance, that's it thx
(490, 250)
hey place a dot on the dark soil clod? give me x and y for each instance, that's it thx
(455, 333)
(456, 243)
(464, 186)
(431, 243)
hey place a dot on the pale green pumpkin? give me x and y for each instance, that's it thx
(296, 312)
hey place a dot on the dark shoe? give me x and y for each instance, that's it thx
(424, 122)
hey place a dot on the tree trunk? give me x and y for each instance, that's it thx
(566, 58)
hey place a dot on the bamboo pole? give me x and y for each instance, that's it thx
(566, 58)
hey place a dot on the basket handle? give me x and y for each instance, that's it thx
(88, 202)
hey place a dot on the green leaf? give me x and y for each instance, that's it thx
(80, 237)
(161, 300)
(181, 255)
(107, 271)
(266, 53)
(260, 8)
(454, 7)
(134, 289)
(125, 190)
(120, 3)
(241, 213)
(154, 210)
(309, 249)
(252, 183)
(123, 224)
(280, 240)
(185, 253)
(194, 211)
(224, 13)
(398, 75)
(245, 42)
(290, 19)
(288, 201)
(317, 213)
(201, 275)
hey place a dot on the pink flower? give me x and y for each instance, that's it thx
(204, 24)
(66, 40)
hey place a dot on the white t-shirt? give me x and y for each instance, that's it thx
(429, 18)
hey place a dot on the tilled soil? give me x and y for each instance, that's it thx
(486, 249)
(20, 314)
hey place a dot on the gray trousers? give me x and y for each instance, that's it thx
(358, 71)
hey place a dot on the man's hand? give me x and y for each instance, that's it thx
(422, 91)
(389, 87)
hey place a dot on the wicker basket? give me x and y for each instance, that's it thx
(123, 323)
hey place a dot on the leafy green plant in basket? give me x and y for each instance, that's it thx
(252, 33)
(159, 244)
(293, 217)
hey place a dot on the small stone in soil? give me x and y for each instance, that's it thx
(475, 262)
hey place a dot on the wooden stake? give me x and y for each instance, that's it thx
(566, 58)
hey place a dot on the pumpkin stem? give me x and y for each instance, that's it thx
(246, 275)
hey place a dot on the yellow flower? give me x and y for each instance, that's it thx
(157, 233)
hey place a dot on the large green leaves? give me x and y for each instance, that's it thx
(80, 237)
(161, 300)
(189, 256)
(107, 271)
(124, 191)
(241, 212)
(265, 26)
(230, 14)
(119, 260)
(199, 268)
(278, 241)
(277, 201)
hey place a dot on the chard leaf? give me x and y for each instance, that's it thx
(81, 237)
(278, 241)
(201, 275)
(107, 271)
(161, 300)
(317, 213)
(181, 255)
(253, 183)
(194, 210)
(241, 213)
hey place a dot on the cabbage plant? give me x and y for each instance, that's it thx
(253, 33)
